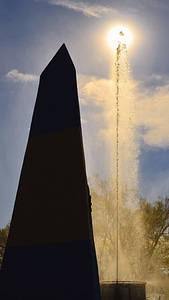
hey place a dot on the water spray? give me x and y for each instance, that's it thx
(118, 53)
(125, 175)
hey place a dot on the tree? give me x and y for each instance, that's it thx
(3, 238)
(143, 235)
(155, 217)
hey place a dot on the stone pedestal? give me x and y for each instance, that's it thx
(123, 290)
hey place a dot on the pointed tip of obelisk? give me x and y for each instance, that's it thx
(62, 59)
(57, 105)
(63, 49)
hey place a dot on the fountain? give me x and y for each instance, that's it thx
(123, 286)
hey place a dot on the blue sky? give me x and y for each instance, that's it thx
(30, 34)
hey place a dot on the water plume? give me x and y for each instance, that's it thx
(120, 240)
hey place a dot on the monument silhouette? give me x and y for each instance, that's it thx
(50, 252)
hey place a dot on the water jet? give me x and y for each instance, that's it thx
(125, 165)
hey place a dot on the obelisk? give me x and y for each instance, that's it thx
(50, 252)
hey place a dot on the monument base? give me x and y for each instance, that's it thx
(123, 290)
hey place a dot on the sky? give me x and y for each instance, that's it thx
(32, 31)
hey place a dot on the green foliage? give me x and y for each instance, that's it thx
(155, 217)
(3, 238)
(143, 233)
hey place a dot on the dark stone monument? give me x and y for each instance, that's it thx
(50, 252)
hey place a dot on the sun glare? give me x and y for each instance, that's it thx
(119, 35)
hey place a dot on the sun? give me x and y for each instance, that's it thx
(119, 35)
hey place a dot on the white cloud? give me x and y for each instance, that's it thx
(96, 92)
(152, 111)
(89, 10)
(150, 114)
(15, 76)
